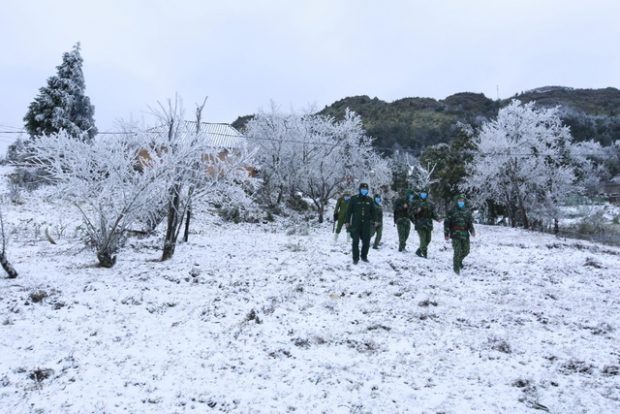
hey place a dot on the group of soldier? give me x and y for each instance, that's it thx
(362, 217)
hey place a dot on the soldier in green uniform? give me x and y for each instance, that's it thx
(361, 218)
(340, 212)
(423, 215)
(457, 226)
(402, 219)
(378, 230)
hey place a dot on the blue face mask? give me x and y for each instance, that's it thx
(364, 191)
(460, 203)
(378, 201)
(410, 197)
(423, 196)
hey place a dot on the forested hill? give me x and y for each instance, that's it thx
(414, 123)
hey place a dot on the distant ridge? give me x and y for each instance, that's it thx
(416, 122)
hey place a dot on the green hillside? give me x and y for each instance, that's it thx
(414, 123)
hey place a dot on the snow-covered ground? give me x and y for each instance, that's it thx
(270, 318)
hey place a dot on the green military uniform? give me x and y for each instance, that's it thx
(378, 229)
(361, 218)
(402, 219)
(340, 212)
(423, 216)
(457, 226)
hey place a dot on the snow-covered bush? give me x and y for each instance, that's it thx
(25, 175)
(28, 178)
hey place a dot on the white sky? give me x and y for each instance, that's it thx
(242, 54)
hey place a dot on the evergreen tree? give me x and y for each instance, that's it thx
(452, 163)
(62, 104)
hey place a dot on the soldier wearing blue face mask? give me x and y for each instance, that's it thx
(361, 218)
(458, 225)
(423, 216)
(403, 219)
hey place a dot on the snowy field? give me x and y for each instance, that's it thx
(274, 318)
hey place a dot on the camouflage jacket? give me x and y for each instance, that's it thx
(424, 214)
(378, 213)
(458, 224)
(401, 209)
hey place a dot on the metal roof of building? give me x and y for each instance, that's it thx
(216, 135)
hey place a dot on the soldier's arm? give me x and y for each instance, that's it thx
(396, 204)
(411, 213)
(373, 212)
(446, 226)
(350, 211)
(337, 209)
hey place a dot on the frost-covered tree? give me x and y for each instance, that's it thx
(334, 155)
(103, 181)
(409, 174)
(4, 262)
(276, 135)
(523, 163)
(62, 105)
(315, 155)
(612, 162)
(590, 160)
(197, 169)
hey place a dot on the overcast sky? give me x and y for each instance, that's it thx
(242, 54)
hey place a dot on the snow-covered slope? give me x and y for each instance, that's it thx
(275, 318)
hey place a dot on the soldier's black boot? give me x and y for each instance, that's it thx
(419, 253)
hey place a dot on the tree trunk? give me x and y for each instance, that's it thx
(10, 270)
(106, 259)
(187, 218)
(173, 222)
(556, 226)
(321, 208)
(526, 223)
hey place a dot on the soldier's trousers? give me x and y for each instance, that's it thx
(461, 249)
(339, 225)
(425, 240)
(377, 232)
(403, 225)
(356, 235)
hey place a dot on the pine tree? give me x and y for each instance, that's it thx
(62, 104)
